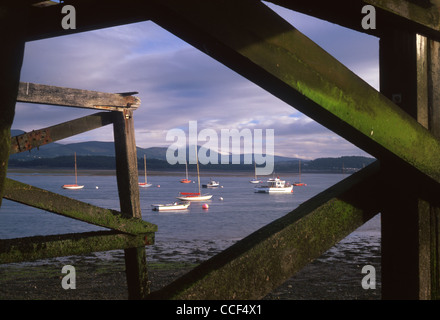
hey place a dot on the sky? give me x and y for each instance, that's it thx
(177, 84)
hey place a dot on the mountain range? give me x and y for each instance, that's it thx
(100, 155)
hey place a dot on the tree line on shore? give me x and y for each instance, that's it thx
(340, 164)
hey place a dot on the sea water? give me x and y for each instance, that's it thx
(191, 235)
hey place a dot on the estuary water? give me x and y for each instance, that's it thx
(192, 235)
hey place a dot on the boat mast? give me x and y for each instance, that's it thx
(255, 170)
(186, 169)
(198, 175)
(76, 180)
(145, 168)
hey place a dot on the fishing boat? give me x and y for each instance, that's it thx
(275, 185)
(211, 184)
(145, 184)
(255, 180)
(73, 186)
(171, 206)
(194, 196)
(186, 180)
(299, 184)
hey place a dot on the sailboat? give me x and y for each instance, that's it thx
(145, 184)
(186, 169)
(255, 180)
(298, 184)
(73, 186)
(194, 196)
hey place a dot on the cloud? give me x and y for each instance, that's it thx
(177, 84)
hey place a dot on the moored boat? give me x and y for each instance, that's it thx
(73, 186)
(186, 180)
(255, 180)
(170, 206)
(193, 196)
(275, 186)
(145, 184)
(211, 184)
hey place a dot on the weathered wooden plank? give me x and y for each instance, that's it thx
(52, 202)
(128, 188)
(283, 61)
(43, 247)
(259, 263)
(52, 95)
(37, 138)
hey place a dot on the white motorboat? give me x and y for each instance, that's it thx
(171, 206)
(275, 186)
(211, 184)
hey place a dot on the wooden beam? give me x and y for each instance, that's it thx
(262, 261)
(52, 95)
(52, 202)
(414, 16)
(91, 15)
(128, 188)
(409, 74)
(43, 247)
(283, 61)
(37, 138)
(12, 32)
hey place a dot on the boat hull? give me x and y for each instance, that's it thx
(170, 207)
(195, 198)
(72, 186)
(274, 190)
(144, 185)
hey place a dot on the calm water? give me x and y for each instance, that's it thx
(192, 235)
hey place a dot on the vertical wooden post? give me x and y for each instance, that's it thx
(127, 178)
(408, 222)
(429, 68)
(12, 32)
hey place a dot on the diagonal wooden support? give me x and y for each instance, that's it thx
(254, 41)
(28, 141)
(52, 202)
(43, 247)
(265, 259)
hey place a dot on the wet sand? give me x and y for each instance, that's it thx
(327, 278)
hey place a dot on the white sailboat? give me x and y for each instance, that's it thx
(255, 180)
(145, 184)
(73, 186)
(194, 196)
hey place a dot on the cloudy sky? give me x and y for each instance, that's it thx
(177, 84)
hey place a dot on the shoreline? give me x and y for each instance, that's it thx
(111, 172)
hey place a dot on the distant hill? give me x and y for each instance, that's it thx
(100, 155)
(100, 148)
